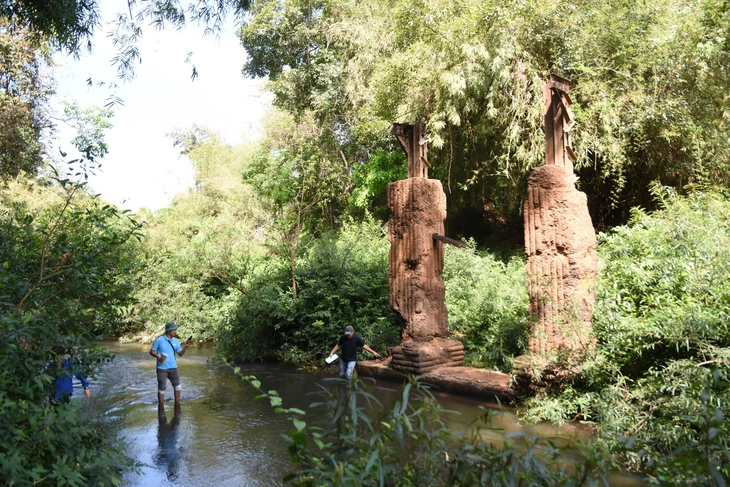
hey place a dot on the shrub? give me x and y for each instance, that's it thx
(487, 302)
(342, 280)
(63, 260)
(659, 372)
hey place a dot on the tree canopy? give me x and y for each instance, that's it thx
(649, 87)
(24, 91)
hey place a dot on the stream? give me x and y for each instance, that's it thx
(223, 436)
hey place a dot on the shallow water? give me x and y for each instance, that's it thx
(222, 435)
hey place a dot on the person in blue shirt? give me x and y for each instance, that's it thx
(64, 384)
(164, 350)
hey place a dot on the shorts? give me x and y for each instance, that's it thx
(163, 375)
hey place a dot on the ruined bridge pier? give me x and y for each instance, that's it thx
(416, 260)
(560, 243)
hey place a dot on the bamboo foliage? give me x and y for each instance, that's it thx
(650, 84)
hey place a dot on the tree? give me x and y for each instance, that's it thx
(64, 262)
(301, 181)
(201, 249)
(649, 84)
(70, 24)
(24, 91)
(26, 120)
(90, 125)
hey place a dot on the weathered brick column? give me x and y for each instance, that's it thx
(561, 261)
(417, 212)
(560, 241)
(416, 261)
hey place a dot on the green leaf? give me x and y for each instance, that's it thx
(373, 457)
(298, 437)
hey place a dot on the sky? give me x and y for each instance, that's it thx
(142, 169)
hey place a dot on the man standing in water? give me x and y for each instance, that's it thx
(349, 342)
(164, 350)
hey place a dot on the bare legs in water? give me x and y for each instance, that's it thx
(161, 399)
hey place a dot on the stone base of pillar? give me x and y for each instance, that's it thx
(421, 357)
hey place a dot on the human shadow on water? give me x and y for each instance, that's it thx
(168, 453)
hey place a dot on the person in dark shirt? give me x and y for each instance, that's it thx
(349, 343)
(64, 385)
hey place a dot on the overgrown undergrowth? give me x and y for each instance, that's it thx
(350, 439)
(659, 375)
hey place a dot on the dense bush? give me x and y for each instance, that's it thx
(41, 444)
(342, 280)
(664, 292)
(63, 261)
(487, 303)
(659, 374)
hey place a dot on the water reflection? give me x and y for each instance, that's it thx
(168, 452)
(236, 439)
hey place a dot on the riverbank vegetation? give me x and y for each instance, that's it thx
(407, 442)
(659, 372)
(67, 263)
(283, 240)
(65, 256)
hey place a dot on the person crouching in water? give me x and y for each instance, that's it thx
(164, 350)
(349, 343)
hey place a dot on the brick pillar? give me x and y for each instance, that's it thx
(417, 212)
(560, 241)
(562, 263)
(416, 261)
